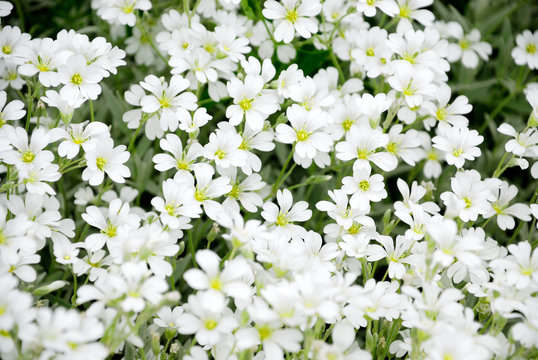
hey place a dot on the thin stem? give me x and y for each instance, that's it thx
(92, 117)
(290, 155)
(338, 67)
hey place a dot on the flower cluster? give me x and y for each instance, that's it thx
(241, 203)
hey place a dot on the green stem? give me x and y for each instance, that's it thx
(338, 67)
(290, 155)
(191, 248)
(92, 117)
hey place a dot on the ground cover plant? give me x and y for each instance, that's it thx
(243, 179)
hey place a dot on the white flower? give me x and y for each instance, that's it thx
(268, 333)
(470, 195)
(443, 111)
(281, 218)
(251, 102)
(363, 187)
(168, 318)
(414, 84)
(78, 135)
(167, 99)
(102, 157)
(207, 316)
(411, 10)
(244, 192)
(181, 159)
(208, 188)
(13, 44)
(43, 57)
(458, 143)
(526, 51)
(469, 48)
(503, 210)
(66, 105)
(524, 143)
(27, 153)
(192, 123)
(521, 265)
(292, 16)
(306, 132)
(361, 143)
(79, 79)
(14, 110)
(395, 255)
(110, 223)
(223, 148)
(230, 281)
(368, 7)
(526, 332)
(178, 205)
(122, 11)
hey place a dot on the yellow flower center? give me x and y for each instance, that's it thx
(354, 229)
(235, 192)
(164, 101)
(392, 147)
(302, 135)
(76, 79)
(432, 155)
(100, 162)
(464, 44)
(370, 51)
(12, 75)
(364, 185)
(457, 152)
(347, 124)
(245, 104)
(281, 219)
(220, 154)
(441, 114)
(6, 49)
(408, 91)
(170, 209)
(531, 48)
(128, 9)
(468, 202)
(404, 11)
(110, 230)
(210, 324)
(370, 2)
(527, 271)
(363, 154)
(28, 156)
(264, 332)
(215, 284)
(199, 195)
(182, 165)
(292, 15)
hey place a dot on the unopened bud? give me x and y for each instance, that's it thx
(215, 230)
(174, 348)
(155, 343)
(53, 286)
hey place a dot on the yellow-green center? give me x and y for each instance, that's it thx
(364, 185)
(100, 162)
(28, 156)
(292, 15)
(76, 79)
(245, 104)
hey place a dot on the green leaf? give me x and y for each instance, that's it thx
(248, 10)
